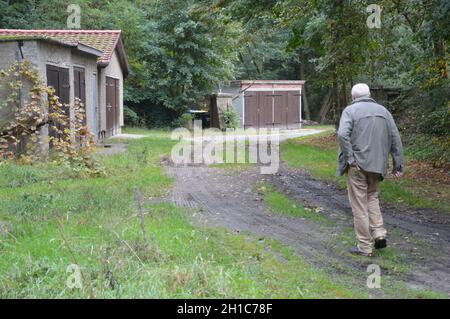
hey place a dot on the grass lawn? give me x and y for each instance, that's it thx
(318, 154)
(59, 219)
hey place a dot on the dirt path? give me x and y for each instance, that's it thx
(225, 198)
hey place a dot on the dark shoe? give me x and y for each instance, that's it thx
(356, 251)
(380, 242)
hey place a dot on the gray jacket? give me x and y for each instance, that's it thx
(367, 134)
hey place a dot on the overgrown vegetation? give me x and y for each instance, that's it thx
(230, 119)
(131, 119)
(427, 124)
(185, 120)
(58, 220)
(22, 138)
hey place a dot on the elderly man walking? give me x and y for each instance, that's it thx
(367, 134)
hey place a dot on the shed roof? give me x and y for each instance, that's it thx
(104, 40)
(75, 45)
(258, 85)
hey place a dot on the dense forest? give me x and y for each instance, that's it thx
(182, 50)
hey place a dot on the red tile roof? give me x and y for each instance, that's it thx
(103, 40)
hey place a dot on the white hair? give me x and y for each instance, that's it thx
(360, 90)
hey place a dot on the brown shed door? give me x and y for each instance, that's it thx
(280, 109)
(266, 109)
(112, 105)
(58, 78)
(79, 82)
(117, 106)
(258, 109)
(251, 112)
(272, 109)
(293, 111)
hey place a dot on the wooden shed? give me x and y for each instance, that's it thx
(267, 103)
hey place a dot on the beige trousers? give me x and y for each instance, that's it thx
(363, 195)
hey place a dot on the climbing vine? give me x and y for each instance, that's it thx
(36, 126)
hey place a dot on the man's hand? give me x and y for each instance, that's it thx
(398, 174)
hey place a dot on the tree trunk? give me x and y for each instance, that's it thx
(344, 95)
(335, 100)
(441, 61)
(302, 77)
(325, 107)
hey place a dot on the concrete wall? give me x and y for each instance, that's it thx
(9, 53)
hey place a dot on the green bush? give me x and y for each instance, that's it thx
(183, 120)
(155, 115)
(427, 129)
(435, 149)
(230, 118)
(131, 118)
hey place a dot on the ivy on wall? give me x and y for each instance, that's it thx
(21, 130)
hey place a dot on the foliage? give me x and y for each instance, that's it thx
(434, 149)
(192, 52)
(426, 125)
(22, 138)
(154, 115)
(230, 118)
(180, 50)
(185, 120)
(262, 45)
(131, 119)
(409, 51)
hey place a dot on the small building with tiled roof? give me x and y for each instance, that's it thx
(87, 64)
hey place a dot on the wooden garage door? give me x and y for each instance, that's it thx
(280, 108)
(258, 109)
(272, 109)
(58, 78)
(112, 105)
(251, 109)
(79, 82)
(293, 109)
